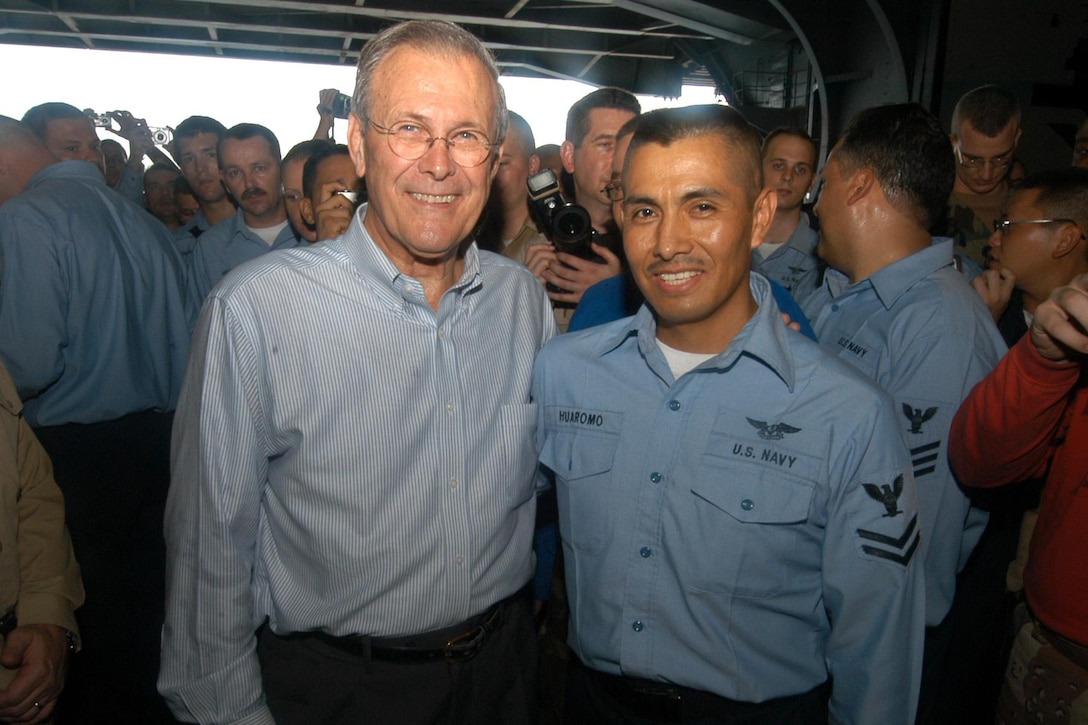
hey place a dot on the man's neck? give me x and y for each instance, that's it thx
(884, 247)
(997, 194)
(783, 226)
(269, 219)
(599, 216)
(513, 220)
(217, 211)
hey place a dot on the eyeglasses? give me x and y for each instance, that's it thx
(410, 141)
(1001, 161)
(1002, 225)
(614, 190)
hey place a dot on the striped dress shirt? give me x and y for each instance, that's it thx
(345, 459)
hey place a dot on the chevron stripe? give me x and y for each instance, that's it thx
(903, 558)
(885, 539)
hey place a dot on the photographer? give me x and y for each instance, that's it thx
(592, 123)
(141, 143)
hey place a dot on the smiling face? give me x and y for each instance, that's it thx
(689, 225)
(251, 172)
(789, 169)
(423, 209)
(199, 164)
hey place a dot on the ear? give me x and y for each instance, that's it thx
(1066, 241)
(355, 144)
(566, 155)
(860, 183)
(763, 214)
(306, 210)
(495, 157)
(534, 164)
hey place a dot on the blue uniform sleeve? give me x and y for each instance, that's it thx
(34, 282)
(929, 379)
(872, 577)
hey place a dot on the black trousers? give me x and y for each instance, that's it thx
(309, 682)
(115, 476)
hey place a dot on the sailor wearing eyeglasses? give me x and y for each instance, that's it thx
(350, 522)
(985, 135)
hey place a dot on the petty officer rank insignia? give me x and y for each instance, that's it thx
(891, 532)
(917, 417)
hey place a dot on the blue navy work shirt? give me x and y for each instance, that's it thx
(793, 262)
(749, 529)
(923, 334)
(94, 320)
(224, 247)
(345, 459)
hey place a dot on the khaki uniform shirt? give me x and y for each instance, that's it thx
(39, 576)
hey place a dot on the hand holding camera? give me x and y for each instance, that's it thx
(574, 261)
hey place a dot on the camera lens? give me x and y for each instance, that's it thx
(571, 225)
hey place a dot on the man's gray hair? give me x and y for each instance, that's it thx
(440, 36)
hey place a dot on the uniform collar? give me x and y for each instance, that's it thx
(762, 338)
(890, 282)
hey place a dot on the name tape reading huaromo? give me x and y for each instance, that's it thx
(581, 417)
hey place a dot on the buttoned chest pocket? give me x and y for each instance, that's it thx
(582, 464)
(753, 530)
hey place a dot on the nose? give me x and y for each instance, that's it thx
(437, 161)
(673, 237)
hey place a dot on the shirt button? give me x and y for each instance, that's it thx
(674, 405)
(441, 333)
(449, 406)
(655, 477)
(747, 504)
(637, 625)
(453, 483)
(645, 552)
(834, 308)
(459, 560)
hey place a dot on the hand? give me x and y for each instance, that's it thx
(538, 258)
(995, 287)
(326, 120)
(795, 326)
(1058, 331)
(136, 132)
(333, 215)
(576, 275)
(40, 653)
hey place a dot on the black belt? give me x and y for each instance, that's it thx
(664, 702)
(7, 623)
(457, 643)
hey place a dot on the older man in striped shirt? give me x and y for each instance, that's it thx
(351, 510)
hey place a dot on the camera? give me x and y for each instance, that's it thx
(161, 136)
(100, 120)
(341, 105)
(565, 224)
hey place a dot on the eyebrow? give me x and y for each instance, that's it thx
(995, 156)
(702, 192)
